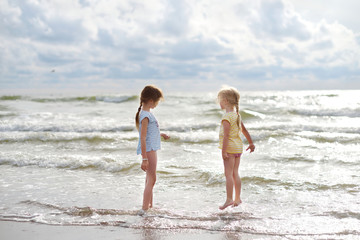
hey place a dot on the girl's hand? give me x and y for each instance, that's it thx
(166, 137)
(144, 165)
(225, 155)
(251, 147)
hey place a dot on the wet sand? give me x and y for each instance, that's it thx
(10, 230)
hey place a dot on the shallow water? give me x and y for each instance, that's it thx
(71, 160)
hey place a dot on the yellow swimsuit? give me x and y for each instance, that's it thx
(235, 142)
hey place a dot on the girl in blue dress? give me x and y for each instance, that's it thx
(149, 139)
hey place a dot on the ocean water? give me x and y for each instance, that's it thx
(71, 160)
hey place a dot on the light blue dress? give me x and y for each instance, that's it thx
(153, 140)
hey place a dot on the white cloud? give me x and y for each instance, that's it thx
(333, 11)
(278, 21)
(261, 43)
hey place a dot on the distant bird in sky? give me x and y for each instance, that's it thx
(53, 70)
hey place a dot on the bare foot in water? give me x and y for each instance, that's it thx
(226, 204)
(141, 212)
(237, 202)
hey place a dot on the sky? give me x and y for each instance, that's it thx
(122, 45)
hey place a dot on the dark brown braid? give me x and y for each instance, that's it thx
(137, 116)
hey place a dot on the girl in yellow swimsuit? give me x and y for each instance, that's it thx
(231, 143)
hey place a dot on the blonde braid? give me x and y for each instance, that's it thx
(236, 103)
(238, 116)
(233, 97)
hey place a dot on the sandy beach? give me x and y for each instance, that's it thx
(10, 230)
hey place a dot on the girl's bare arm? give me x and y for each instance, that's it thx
(144, 126)
(248, 137)
(226, 126)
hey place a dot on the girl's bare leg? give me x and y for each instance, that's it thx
(150, 180)
(229, 168)
(151, 201)
(237, 182)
